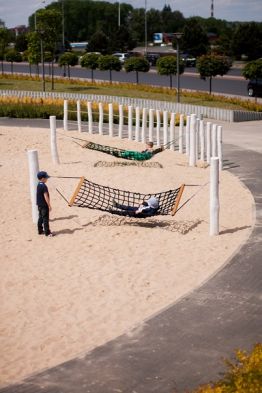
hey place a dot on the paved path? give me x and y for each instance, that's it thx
(182, 346)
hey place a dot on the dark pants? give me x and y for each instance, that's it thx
(131, 211)
(43, 220)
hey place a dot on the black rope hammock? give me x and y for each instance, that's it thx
(95, 196)
(121, 153)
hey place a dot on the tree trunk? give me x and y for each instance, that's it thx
(68, 70)
(92, 75)
(52, 76)
(110, 76)
(210, 84)
(170, 78)
(12, 69)
(137, 77)
(2, 66)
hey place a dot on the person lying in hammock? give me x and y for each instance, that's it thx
(146, 209)
(145, 154)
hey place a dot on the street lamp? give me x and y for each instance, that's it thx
(145, 27)
(41, 34)
(178, 36)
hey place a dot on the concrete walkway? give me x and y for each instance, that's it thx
(183, 346)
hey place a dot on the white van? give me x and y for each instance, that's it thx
(121, 56)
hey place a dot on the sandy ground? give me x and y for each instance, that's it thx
(100, 276)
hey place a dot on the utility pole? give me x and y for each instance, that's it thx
(212, 8)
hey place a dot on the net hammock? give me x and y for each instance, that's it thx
(121, 153)
(95, 196)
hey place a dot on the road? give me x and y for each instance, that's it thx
(230, 84)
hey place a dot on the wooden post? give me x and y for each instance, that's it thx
(179, 195)
(110, 119)
(208, 140)
(158, 126)
(187, 134)
(33, 164)
(181, 131)
(130, 122)
(78, 115)
(214, 197)
(65, 121)
(54, 152)
(72, 200)
(151, 125)
(137, 124)
(220, 146)
(101, 118)
(90, 117)
(192, 149)
(165, 126)
(172, 131)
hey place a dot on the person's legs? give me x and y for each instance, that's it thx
(40, 221)
(125, 207)
(45, 216)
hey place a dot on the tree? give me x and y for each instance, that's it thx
(167, 65)
(13, 56)
(137, 64)
(253, 71)
(210, 66)
(34, 53)
(98, 42)
(4, 39)
(194, 39)
(109, 62)
(90, 61)
(247, 40)
(21, 42)
(68, 59)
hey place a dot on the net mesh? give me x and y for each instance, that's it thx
(121, 153)
(95, 196)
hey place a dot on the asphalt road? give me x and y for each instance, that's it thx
(232, 83)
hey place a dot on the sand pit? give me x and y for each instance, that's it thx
(101, 275)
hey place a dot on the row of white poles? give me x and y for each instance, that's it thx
(214, 175)
(198, 140)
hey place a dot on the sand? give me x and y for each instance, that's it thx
(100, 276)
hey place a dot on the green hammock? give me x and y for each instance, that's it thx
(121, 153)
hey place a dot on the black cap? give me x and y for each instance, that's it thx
(42, 174)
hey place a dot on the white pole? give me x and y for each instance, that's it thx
(197, 138)
(158, 125)
(144, 125)
(110, 120)
(65, 115)
(208, 140)
(192, 149)
(90, 117)
(78, 115)
(101, 118)
(121, 121)
(33, 170)
(151, 125)
(137, 124)
(181, 130)
(202, 140)
(220, 146)
(165, 127)
(172, 131)
(130, 122)
(187, 134)
(214, 140)
(54, 152)
(214, 197)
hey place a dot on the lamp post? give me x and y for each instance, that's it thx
(119, 14)
(41, 33)
(178, 36)
(145, 27)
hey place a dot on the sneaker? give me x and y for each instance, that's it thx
(50, 235)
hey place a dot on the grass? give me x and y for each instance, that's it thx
(22, 82)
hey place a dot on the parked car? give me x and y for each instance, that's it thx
(254, 88)
(122, 56)
(152, 58)
(189, 61)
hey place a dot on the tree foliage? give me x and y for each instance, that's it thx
(110, 63)
(90, 61)
(67, 60)
(98, 42)
(194, 39)
(253, 69)
(247, 40)
(137, 64)
(167, 65)
(210, 66)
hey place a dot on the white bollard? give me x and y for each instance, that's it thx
(220, 146)
(192, 147)
(137, 124)
(165, 127)
(110, 120)
(33, 170)
(78, 115)
(151, 125)
(130, 122)
(172, 131)
(121, 121)
(144, 125)
(187, 134)
(54, 152)
(101, 118)
(158, 126)
(197, 138)
(181, 131)
(65, 121)
(214, 140)
(90, 117)
(202, 140)
(208, 142)
(214, 197)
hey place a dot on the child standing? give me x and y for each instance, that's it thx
(43, 203)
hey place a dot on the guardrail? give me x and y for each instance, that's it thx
(200, 111)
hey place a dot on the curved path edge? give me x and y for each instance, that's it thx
(184, 345)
